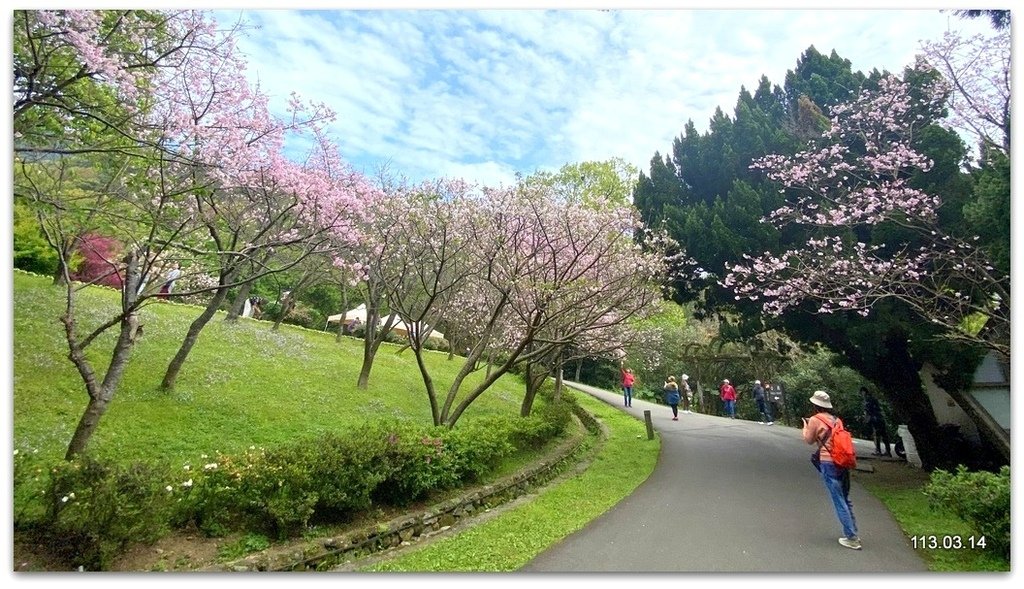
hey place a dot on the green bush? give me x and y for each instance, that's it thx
(94, 510)
(97, 509)
(477, 448)
(31, 251)
(31, 483)
(981, 499)
(416, 463)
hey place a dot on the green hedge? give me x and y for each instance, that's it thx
(981, 499)
(94, 510)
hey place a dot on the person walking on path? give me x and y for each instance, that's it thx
(728, 394)
(876, 422)
(672, 396)
(627, 384)
(685, 393)
(817, 430)
(762, 403)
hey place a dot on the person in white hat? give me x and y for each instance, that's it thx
(686, 393)
(728, 394)
(837, 480)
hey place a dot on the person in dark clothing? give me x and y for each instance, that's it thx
(762, 403)
(876, 422)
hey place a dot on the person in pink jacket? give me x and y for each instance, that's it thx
(836, 479)
(627, 384)
(728, 394)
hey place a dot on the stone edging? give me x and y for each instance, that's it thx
(326, 553)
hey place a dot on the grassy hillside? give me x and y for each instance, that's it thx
(243, 384)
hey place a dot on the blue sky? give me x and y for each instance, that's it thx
(482, 94)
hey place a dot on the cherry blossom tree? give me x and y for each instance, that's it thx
(530, 273)
(857, 179)
(977, 70)
(154, 137)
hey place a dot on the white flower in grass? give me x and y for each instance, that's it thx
(210, 466)
(187, 483)
(169, 488)
(64, 499)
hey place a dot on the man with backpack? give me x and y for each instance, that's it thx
(834, 458)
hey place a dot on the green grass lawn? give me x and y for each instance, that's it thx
(243, 385)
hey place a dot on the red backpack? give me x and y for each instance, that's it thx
(841, 448)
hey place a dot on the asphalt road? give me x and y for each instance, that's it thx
(730, 496)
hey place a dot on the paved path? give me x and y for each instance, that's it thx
(729, 496)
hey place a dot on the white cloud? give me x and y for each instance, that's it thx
(489, 93)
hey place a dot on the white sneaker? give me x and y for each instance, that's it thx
(852, 542)
(771, 423)
(761, 422)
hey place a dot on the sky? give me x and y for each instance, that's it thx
(484, 94)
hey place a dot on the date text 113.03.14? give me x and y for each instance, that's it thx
(948, 542)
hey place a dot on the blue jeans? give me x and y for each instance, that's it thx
(837, 481)
(730, 408)
(765, 409)
(627, 393)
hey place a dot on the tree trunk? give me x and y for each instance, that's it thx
(898, 375)
(239, 303)
(428, 383)
(87, 425)
(100, 394)
(344, 312)
(60, 276)
(192, 336)
(558, 384)
(535, 377)
(286, 307)
(371, 342)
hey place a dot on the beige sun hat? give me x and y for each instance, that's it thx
(820, 398)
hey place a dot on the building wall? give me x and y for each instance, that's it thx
(991, 389)
(945, 408)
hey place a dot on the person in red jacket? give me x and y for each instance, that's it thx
(627, 383)
(728, 394)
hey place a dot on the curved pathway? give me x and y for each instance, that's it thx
(729, 496)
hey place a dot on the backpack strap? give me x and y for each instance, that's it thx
(830, 427)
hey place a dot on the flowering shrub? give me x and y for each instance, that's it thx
(99, 260)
